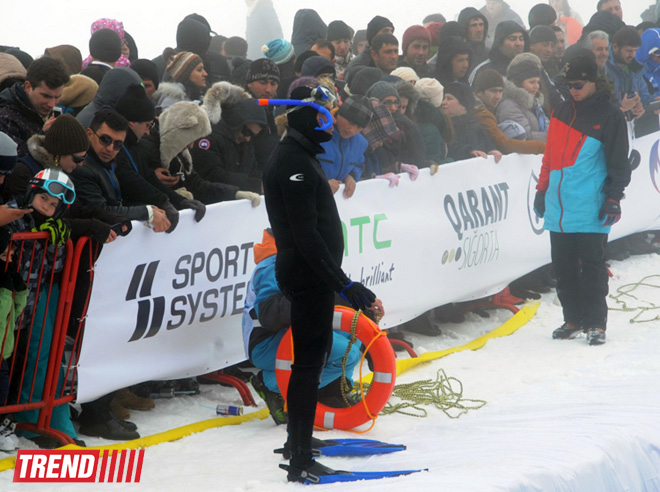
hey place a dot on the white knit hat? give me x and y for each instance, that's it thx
(431, 90)
(407, 74)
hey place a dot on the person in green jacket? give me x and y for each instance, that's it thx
(13, 297)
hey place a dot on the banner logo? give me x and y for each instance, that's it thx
(79, 465)
(534, 221)
(182, 304)
(144, 275)
(654, 166)
(473, 214)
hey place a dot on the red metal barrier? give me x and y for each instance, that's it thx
(31, 253)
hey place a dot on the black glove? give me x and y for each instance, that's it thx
(197, 206)
(129, 227)
(357, 295)
(172, 215)
(610, 211)
(59, 231)
(539, 204)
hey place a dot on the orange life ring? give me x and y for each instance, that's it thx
(376, 344)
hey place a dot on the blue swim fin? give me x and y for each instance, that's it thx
(347, 447)
(320, 474)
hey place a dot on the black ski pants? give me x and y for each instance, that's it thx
(582, 279)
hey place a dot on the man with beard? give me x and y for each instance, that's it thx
(476, 27)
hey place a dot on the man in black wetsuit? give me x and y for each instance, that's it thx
(305, 222)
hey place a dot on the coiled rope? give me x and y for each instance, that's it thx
(445, 394)
(630, 303)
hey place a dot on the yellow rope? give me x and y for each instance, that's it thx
(626, 299)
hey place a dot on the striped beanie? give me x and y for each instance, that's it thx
(182, 65)
(278, 50)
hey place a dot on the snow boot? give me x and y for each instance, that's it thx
(595, 336)
(273, 400)
(567, 331)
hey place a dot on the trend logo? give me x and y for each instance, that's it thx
(654, 166)
(150, 310)
(534, 221)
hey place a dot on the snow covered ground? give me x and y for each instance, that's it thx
(561, 415)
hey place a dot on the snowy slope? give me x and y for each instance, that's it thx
(560, 416)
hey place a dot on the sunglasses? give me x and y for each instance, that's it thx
(575, 85)
(249, 133)
(56, 188)
(77, 160)
(106, 141)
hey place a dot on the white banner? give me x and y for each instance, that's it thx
(167, 306)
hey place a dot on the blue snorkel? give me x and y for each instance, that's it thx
(319, 94)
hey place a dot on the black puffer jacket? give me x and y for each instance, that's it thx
(17, 118)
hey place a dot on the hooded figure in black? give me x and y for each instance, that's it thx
(478, 48)
(194, 34)
(450, 48)
(497, 59)
(308, 233)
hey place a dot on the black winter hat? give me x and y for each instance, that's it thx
(581, 67)
(603, 21)
(263, 69)
(541, 14)
(147, 70)
(242, 113)
(523, 66)
(542, 33)
(317, 65)
(135, 105)
(66, 136)
(339, 30)
(375, 25)
(360, 82)
(105, 45)
(463, 93)
(356, 109)
(192, 35)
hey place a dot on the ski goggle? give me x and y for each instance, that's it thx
(320, 93)
(56, 188)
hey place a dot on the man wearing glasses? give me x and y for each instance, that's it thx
(585, 171)
(96, 180)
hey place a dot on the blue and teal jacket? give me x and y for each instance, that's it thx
(343, 156)
(627, 79)
(266, 311)
(651, 71)
(585, 162)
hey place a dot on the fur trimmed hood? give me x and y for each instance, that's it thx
(37, 149)
(523, 98)
(168, 93)
(222, 95)
(181, 124)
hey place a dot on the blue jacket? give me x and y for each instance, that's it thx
(585, 162)
(651, 71)
(627, 80)
(343, 156)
